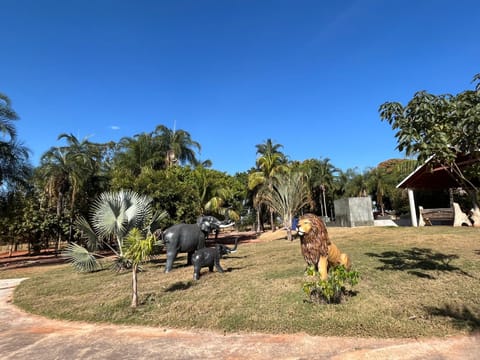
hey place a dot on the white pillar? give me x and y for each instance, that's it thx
(413, 212)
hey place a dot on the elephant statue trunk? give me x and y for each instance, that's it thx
(234, 249)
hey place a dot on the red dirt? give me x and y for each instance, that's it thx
(22, 259)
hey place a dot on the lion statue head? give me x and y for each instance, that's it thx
(313, 238)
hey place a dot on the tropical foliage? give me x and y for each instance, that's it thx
(442, 127)
(15, 169)
(52, 201)
(113, 216)
(287, 195)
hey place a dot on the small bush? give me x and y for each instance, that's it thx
(332, 290)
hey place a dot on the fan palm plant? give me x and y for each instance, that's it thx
(287, 195)
(113, 216)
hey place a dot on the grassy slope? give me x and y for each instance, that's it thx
(414, 282)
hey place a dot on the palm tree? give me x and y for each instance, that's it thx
(113, 216)
(270, 161)
(137, 250)
(142, 150)
(15, 169)
(7, 116)
(214, 193)
(177, 146)
(322, 178)
(377, 181)
(287, 195)
(65, 170)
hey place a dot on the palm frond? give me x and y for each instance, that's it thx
(93, 242)
(80, 258)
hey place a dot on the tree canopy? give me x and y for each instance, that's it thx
(440, 125)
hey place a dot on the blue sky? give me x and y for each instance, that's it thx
(308, 74)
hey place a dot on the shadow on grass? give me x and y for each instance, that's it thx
(461, 317)
(417, 261)
(178, 286)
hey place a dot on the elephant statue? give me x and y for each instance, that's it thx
(209, 224)
(210, 257)
(182, 238)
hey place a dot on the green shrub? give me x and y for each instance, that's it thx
(332, 290)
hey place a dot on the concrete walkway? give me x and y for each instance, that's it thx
(25, 336)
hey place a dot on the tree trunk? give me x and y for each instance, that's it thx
(272, 221)
(134, 286)
(258, 230)
(324, 201)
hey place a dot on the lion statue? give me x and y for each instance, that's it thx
(317, 249)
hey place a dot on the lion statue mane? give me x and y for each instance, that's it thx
(317, 249)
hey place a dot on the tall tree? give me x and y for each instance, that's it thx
(65, 169)
(287, 195)
(270, 161)
(15, 169)
(321, 175)
(215, 192)
(377, 182)
(177, 145)
(441, 126)
(7, 117)
(139, 151)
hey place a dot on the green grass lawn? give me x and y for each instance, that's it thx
(414, 282)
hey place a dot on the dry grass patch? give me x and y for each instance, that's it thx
(413, 282)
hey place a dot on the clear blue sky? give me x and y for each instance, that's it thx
(309, 74)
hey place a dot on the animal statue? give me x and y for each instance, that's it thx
(182, 238)
(210, 257)
(317, 249)
(209, 224)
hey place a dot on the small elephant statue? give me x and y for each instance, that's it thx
(210, 257)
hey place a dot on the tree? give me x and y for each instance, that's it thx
(139, 151)
(177, 145)
(215, 192)
(321, 175)
(113, 216)
(65, 170)
(7, 117)
(377, 181)
(442, 127)
(270, 161)
(287, 195)
(137, 250)
(157, 150)
(15, 169)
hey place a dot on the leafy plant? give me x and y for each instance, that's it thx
(113, 216)
(137, 249)
(332, 290)
(81, 259)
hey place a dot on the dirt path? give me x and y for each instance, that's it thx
(25, 336)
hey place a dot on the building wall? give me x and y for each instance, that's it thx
(351, 212)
